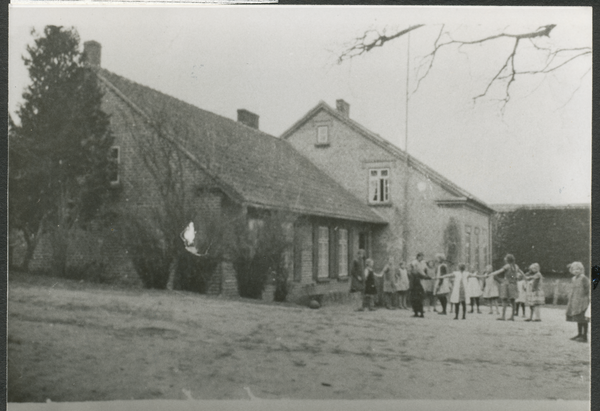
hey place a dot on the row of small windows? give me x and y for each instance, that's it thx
(476, 247)
(330, 248)
(323, 252)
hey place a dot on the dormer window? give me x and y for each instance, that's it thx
(379, 185)
(322, 136)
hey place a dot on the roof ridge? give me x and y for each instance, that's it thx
(256, 130)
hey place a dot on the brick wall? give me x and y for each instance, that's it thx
(136, 194)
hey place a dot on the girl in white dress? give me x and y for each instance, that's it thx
(474, 291)
(490, 290)
(522, 295)
(403, 285)
(460, 290)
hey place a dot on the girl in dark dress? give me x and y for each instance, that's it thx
(507, 276)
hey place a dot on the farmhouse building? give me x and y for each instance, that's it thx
(231, 168)
(424, 211)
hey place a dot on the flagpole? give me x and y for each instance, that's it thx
(405, 229)
(406, 97)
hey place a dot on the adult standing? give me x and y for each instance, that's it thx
(428, 285)
(370, 287)
(389, 284)
(357, 273)
(441, 285)
(508, 277)
(417, 293)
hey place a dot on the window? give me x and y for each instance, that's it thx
(468, 246)
(477, 251)
(115, 156)
(322, 135)
(300, 238)
(379, 185)
(288, 253)
(364, 242)
(342, 253)
(485, 247)
(323, 253)
(255, 227)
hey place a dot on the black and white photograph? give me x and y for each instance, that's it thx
(326, 207)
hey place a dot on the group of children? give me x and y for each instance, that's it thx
(431, 282)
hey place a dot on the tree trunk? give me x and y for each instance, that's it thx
(172, 273)
(60, 248)
(32, 241)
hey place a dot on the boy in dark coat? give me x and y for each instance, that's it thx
(370, 287)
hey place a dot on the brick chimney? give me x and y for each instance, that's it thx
(248, 118)
(93, 53)
(343, 107)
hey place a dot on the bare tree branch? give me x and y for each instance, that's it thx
(370, 40)
(506, 74)
(432, 55)
(576, 90)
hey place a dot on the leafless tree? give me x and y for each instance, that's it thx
(171, 204)
(552, 58)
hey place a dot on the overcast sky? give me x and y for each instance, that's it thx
(279, 62)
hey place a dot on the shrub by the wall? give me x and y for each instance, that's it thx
(193, 273)
(258, 250)
(148, 255)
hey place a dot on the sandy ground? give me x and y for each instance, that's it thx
(73, 342)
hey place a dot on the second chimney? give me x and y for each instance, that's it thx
(248, 118)
(343, 107)
(93, 53)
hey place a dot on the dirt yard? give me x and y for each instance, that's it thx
(70, 341)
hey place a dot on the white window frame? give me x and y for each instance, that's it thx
(379, 185)
(342, 252)
(323, 253)
(255, 227)
(322, 135)
(118, 180)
